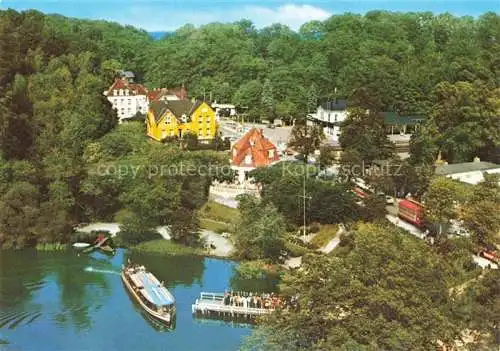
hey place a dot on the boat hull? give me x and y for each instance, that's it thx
(149, 311)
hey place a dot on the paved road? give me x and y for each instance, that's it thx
(278, 135)
(223, 246)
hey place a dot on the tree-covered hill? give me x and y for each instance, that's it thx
(54, 69)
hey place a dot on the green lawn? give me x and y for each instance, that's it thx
(166, 247)
(326, 233)
(217, 212)
(216, 226)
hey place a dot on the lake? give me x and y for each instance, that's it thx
(62, 301)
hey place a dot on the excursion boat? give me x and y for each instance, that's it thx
(151, 295)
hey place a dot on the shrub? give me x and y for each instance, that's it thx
(314, 228)
(252, 269)
(296, 250)
(324, 235)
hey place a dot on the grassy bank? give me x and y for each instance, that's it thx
(217, 227)
(220, 213)
(166, 247)
(326, 233)
(257, 269)
(51, 247)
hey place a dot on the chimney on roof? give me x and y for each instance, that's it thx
(261, 131)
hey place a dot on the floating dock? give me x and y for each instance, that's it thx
(212, 305)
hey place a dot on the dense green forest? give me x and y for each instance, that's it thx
(64, 160)
(56, 124)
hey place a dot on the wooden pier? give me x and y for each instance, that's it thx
(212, 305)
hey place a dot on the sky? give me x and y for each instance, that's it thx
(168, 15)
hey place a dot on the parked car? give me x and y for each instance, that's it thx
(389, 200)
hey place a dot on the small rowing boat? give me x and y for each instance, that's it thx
(80, 245)
(151, 295)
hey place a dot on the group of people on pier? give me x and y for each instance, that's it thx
(249, 300)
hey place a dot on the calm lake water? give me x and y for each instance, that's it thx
(62, 301)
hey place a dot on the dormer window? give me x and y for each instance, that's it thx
(271, 153)
(115, 92)
(121, 91)
(126, 92)
(248, 159)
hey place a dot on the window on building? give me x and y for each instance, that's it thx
(129, 109)
(271, 153)
(167, 120)
(121, 91)
(248, 159)
(208, 131)
(114, 92)
(200, 132)
(335, 117)
(129, 101)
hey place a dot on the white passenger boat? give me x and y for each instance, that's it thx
(151, 295)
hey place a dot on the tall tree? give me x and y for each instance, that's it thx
(364, 132)
(481, 213)
(312, 98)
(267, 100)
(466, 116)
(306, 139)
(260, 233)
(442, 201)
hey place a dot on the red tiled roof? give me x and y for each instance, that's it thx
(134, 89)
(255, 144)
(181, 93)
(154, 94)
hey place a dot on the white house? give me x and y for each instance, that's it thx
(329, 116)
(251, 151)
(127, 99)
(467, 172)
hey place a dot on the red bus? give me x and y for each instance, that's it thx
(412, 212)
(490, 255)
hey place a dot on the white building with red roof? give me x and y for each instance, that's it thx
(253, 150)
(127, 98)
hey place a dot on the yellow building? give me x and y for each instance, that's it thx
(175, 118)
